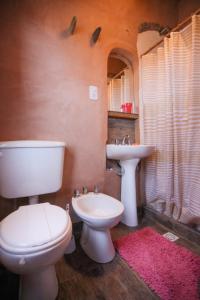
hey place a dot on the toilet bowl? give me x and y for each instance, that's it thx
(32, 240)
(99, 213)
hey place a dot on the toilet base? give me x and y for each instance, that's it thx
(41, 285)
(97, 244)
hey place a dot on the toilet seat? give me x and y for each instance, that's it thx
(34, 228)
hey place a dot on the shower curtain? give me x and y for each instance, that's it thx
(119, 90)
(170, 120)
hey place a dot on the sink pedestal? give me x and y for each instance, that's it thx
(129, 156)
(128, 192)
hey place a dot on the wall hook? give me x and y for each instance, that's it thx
(70, 30)
(95, 36)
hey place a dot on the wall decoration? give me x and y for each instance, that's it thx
(70, 30)
(95, 36)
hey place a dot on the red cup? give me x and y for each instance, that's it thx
(127, 107)
(123, 107)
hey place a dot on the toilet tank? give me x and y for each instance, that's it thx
(29, 168)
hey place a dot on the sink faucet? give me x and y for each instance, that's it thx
(126, 140)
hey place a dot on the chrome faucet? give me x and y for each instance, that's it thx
(96, 189)
(117, 142)
(126, 140)
(76, 193)
(85, 190)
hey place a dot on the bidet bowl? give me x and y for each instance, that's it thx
(98, 210)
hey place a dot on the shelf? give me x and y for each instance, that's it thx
(122, 115)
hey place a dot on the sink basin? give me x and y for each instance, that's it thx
(128, 156)
(126, 152)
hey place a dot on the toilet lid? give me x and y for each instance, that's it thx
(33, 225)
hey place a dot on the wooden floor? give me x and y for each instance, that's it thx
(82, 279)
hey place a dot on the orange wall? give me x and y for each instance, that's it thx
(186, 8)
(44, 78)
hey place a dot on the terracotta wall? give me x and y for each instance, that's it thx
(186, 8)
(118, 128)
(114, 66)
(44, 77)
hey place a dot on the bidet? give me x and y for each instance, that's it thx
(99, 212)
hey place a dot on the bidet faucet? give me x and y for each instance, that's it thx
(76, 193)
(85, 190)
(96, 189)
(126, 140)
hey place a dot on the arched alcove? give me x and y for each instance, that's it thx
(119, 124)
(119, 79)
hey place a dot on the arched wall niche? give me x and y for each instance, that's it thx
(123, 55)
(126, 58)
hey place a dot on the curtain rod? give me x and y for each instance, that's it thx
(119, 73)
(177, 28)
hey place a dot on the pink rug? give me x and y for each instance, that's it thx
(170, 270)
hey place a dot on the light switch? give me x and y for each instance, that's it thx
(93, 92)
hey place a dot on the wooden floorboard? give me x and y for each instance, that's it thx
(80, 278)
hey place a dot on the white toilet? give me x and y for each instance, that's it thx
(99, 213)
(34, 237)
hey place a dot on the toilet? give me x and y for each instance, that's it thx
(99, 213)
(32, 240)
(34, 237)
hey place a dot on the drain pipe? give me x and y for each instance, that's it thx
(117, 169)
(71, 247)
(33, 199)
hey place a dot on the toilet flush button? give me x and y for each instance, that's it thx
(22, 261)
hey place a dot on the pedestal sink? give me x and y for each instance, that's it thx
(128, 156)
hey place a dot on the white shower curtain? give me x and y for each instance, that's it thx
(170, 120)
(120, 91)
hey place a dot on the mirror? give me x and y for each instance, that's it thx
(120, 84)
